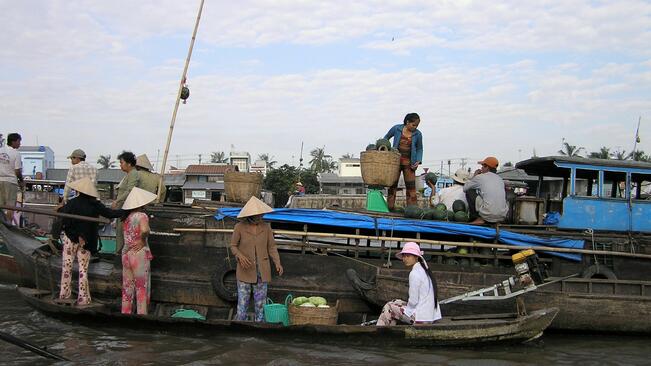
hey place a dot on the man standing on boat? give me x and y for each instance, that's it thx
(79, 169)
(11, 176)
(486, 194)
(146, 179)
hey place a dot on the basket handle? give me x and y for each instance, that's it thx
(269, 301)
(289, 299)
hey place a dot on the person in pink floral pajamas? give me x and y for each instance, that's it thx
(136, 275)
(80, 238)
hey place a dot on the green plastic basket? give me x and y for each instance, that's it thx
(188, 314)
(277, 313)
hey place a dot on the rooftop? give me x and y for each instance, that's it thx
(209, 169)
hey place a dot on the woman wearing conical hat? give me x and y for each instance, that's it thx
(253, 245)
(136, 275)
(80, 237)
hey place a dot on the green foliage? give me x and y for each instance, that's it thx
(281, 181)
(218, 157)
(321, 162)
(105, 162)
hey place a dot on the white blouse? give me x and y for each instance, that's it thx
(421, 297)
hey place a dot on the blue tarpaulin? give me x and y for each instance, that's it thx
(359, 221)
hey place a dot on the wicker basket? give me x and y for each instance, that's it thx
(241, 186)
(380, 168)
(299, 315)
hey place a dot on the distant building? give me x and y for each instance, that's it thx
(241, 159)
(349, 167)
(36, 159)
(205, 182)
(334, 184)
(259, 166)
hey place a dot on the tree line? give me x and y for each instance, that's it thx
(604, 152)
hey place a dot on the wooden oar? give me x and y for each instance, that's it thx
(57, 214)
(433, 242)
(30, 347)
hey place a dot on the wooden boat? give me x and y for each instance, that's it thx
(450, 331)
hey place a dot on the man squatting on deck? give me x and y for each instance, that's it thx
(422, 306)
(253, 244)
(486, 194)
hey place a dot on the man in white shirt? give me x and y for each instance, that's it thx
(11, 176)
(486, 191)
(448, 195)
(79, 169)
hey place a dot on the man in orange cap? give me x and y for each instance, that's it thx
(486, 194)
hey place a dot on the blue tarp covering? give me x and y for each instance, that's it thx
(359, 221)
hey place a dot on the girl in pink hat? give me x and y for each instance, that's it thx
(422, 306)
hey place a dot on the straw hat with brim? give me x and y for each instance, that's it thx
(143, 162)
(78, 153)
(461, 176)
(85, 186)
(254, 207)
(138, 197)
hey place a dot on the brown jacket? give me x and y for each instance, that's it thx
(256, 242)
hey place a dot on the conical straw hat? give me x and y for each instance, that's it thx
(138, 197)
(86, 186)
(254, 207)
(143, 162)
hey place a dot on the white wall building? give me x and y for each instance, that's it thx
(350, 168)
(36, 159)
(259, 166)
(242, 159)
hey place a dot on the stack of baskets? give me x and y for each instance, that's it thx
(299, 315)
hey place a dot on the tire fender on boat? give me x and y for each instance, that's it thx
(598, 271)
(218, 280)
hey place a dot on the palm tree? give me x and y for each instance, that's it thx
(218, 157)
(603, 153)
(267, 159)
(348, 156)
(621, 155)
(105, 162)
(639, 155)
(570, 150)
(321, 162)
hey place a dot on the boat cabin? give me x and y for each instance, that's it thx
(598, 194)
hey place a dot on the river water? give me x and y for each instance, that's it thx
(112, 345)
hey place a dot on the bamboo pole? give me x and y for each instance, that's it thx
(178, 100)
(433, 242)
(57, 214)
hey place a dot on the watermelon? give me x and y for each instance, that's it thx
(450, 215)
(430, 177)
(370, 147)
(459, 205)
(441, 207)
(428, 213)
(383, 144)
(461, 216)
(413, 212)
(440, 214)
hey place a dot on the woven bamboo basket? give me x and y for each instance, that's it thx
(299, 315)
(241, 186)
(380, 168)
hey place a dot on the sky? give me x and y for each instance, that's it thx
(501, 78)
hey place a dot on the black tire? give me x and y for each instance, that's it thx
(218, 280)
(598, 271)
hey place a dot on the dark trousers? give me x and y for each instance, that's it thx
(471, 197)
(409, 175)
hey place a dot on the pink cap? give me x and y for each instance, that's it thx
(410, 248)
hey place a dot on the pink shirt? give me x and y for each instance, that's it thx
(132, 230)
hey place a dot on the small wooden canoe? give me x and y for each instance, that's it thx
(460, 331)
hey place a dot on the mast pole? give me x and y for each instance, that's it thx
(178, 100)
